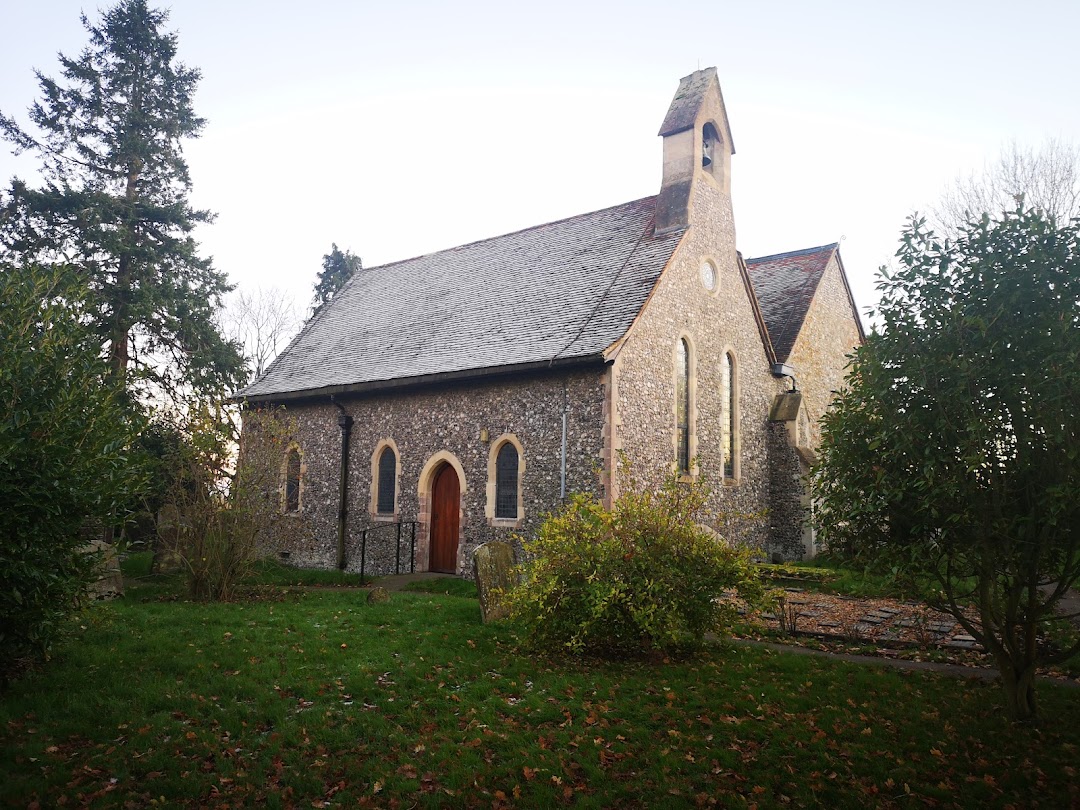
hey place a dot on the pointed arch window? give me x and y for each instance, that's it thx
(682, 406)
(506, 482)
(729, 413)
(292, 480)
(387, 482)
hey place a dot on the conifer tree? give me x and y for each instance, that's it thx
(114, 202)
(338, 267)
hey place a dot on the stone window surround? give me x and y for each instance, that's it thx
(489, 504)
(424, 485)
(691, 357)
(709, 259)
(289, 450)
(736, 439)
(373, 503)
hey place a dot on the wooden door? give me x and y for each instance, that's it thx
(445, 510)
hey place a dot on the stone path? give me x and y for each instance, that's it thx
(395, 582)
(878, 620)
(392, 582)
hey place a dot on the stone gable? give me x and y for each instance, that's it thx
(714, 323)
(829, 332)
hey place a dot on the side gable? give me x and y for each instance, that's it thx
(820, 326)
(785, 284)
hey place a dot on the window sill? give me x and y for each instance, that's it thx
(384, 517)
(506, 523)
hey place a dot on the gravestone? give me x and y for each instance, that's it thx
(493, 565)
(109, 582)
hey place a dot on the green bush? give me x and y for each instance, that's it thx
(644, 576)
(64, 434)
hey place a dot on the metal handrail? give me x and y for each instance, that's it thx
(397, 525)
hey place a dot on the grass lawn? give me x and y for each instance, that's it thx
(316, 696)
(833, 576)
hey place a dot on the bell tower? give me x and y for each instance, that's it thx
(697, 145)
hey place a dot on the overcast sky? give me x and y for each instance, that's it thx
(397, 129)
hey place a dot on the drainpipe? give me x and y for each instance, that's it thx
(562, 480)
(345, 423)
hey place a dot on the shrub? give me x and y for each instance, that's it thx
(64, 434)
(644, 576)
(218, 511)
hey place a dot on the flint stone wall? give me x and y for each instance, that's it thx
(829, 333)
(422, 423)
(787, 512)
(714, 323)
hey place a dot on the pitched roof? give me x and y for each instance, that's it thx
(561, 291)
(785, 284)
(687, 103)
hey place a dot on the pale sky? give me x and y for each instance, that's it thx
(397, 129)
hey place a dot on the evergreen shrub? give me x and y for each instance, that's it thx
(642, 577)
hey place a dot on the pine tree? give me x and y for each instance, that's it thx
(338, 268)
(114, 203)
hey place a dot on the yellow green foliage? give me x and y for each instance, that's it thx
(643, 576)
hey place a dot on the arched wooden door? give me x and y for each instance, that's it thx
(445, 511)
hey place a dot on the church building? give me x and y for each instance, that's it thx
(440, 402)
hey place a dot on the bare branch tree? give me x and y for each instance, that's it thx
(263, 321)
(1047, 177)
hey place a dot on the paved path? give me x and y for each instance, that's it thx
(1070, 606)
(395, 582)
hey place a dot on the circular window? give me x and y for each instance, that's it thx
(708, 276)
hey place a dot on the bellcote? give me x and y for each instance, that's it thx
(697, 142)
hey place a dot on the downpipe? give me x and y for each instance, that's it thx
(345, 422)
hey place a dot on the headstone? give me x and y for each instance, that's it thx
(378, 596)
(110, 582)
(493, 569)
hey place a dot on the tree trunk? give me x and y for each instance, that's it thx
(119, 354)
(1019, 683)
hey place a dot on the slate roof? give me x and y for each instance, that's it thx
(785, 285)
(555, 292)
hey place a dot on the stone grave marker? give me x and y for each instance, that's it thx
(110, 582)
(493, 565)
